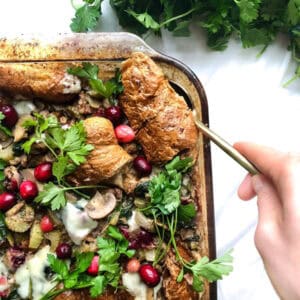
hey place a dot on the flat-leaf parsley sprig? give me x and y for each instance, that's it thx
(165, 206)
(108, 89)
(69, 148)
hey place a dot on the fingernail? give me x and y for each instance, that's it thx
(257, 183)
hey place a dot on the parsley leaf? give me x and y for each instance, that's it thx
(145, 19)
(52, 195)
(109, 89)
(86, 16)
(186, 213)
(211, 271)
(164, 189)
(110, 250)
(248, 9)
(71, 278)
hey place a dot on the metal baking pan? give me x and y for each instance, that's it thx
(108, 50)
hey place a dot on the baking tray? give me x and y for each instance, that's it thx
(108, 50)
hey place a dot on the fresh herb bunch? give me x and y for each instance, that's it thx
(71, 278)
(255, 22)
(111, 248)
(109, 89)
(166, 208)
(69, 149)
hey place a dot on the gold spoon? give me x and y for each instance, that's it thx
(220, 142)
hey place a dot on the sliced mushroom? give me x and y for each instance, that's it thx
(54, 238)
(143, 221)
(19, 132)
(20, 217)
(101, 205)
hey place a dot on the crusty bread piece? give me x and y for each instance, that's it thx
(106, 159)
(49, 82)
(161, 118)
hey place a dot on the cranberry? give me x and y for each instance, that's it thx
(114, 114)
(46, 224)
(4, 287)
(7, 200)
(142, 166)
(11, 115)
(28, 190)
(94, 266)
(43, 172)
(63, 251)
(11, 184)
(133, 265)
(124, 133)
(149, 275)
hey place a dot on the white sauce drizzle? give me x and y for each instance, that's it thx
(77, 223)
(30, 277)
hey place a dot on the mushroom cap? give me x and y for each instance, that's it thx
(101, 205)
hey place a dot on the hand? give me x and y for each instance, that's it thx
(277, 235)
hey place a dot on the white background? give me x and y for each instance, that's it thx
(246, 102)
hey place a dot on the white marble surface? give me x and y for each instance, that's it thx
(246, 102)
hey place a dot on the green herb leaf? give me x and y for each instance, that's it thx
(145, 19)
(87, 16)
(52, 195)
(58, 266)
(99, 285)
(108, 89)
(186, 213)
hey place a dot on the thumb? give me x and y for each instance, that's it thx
(268, 202)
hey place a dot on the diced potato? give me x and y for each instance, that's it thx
(19, 218)
(54, 238)
(36, 235)
(7, 153)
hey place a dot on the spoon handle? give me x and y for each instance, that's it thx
(227, 148)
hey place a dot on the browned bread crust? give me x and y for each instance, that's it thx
(161, 118)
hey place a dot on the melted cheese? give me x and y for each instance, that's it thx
(24, 107)
(132, 222)
(135, 286)
(3, 272)
(71, 84)
(30, 277)
(77, 223)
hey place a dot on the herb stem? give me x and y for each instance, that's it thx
(177, 17)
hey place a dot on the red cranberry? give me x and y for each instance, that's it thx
(100, 112)
(124, 133)
(142, 166)
(4, 287)
(11, 115)
(43, 172)
(133, 265)
(7, 200)
(114, 114)
(63, 251)
(149, 275)
(28, 190)
(11, 184)
(93, 269)
(46, 224)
